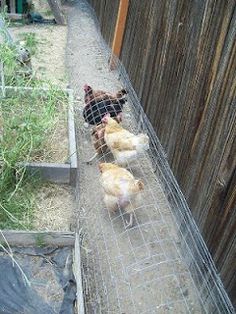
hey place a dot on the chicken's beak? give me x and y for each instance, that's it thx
(100, 167)
(85, 87)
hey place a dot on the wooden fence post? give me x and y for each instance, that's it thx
(12, 6)
(119, 31)
(56, 9)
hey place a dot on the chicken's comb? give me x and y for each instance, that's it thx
(86, 87)
(105, 118)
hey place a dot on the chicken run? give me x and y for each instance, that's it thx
(140, 249)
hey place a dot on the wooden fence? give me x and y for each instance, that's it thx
(181, 58)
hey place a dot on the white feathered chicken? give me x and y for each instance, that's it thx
(124, 145)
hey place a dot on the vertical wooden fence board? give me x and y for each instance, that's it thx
(120, 27)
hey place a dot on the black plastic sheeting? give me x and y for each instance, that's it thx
(55, 264)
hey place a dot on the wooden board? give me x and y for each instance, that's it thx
(52, 172)
(119, 30)
(78, 276)
(72, 140)
(36, 238)
(16, 16)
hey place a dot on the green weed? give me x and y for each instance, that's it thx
(48, 12)
(31, 42)
(39, 239)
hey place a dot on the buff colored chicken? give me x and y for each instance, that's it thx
(124, 145)
(121, 189)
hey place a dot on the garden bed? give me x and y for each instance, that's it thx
(44, 122)
(38, 145)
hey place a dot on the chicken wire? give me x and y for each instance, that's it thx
(161, 264)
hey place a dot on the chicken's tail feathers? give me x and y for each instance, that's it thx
(121, 93)
(139, 185)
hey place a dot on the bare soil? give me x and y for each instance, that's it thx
(55, 208)
(48, 61)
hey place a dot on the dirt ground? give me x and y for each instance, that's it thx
(55, 208)
(137, 270)
(48, 61)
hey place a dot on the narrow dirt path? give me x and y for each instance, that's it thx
(137, 270)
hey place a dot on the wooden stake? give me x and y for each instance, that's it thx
(29, 238)
(56, 9)
(2, 80)
(119, 31)
(12, 6)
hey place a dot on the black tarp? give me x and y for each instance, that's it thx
(55, 265)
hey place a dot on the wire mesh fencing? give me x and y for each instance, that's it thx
(161, 263)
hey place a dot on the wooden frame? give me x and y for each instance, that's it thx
(55, 7)
(37, 238)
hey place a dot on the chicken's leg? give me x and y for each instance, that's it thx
(130, 223)
(89, 162)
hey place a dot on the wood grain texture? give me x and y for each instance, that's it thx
(181, 59)
(120, 27)
(32, 238)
